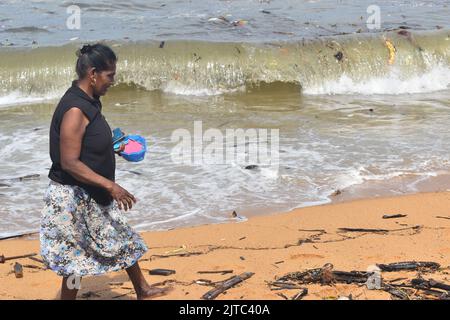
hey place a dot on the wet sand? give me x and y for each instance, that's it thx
(270, 247)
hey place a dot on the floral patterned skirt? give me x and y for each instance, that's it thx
(80, 237)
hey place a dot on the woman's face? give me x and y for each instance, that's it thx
(103, 80)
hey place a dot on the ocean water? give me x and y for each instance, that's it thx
(353, 106)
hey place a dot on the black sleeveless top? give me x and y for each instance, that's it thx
(96, 148)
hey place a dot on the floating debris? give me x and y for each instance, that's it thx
(336, 193)
(392, 51)
(339, 56)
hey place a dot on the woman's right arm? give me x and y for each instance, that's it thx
(73, 127)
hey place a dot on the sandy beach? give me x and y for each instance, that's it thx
(269, 246)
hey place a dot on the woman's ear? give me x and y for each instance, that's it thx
(91, 72)
(92, 75)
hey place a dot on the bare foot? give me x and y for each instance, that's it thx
(153, 292)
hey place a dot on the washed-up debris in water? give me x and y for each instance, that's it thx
(227, 284)
(23, 178)
(339, 56)
(392, 51)
(234, 215)
(336, 193)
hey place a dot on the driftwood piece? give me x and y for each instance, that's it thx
(205, 282)
(423, 288)
(3, 259)
(326, 276)
(441, 217)
(161, 272)
(396, 292)
(183, 254)
(218, 271)
(422, 283)
(408, 265)
(282, 295)
(284, 285)
(227, 284)
(31, 266)
(418, 227)
(351, 277)
(363, 230)
(393, 216)
(36, 259)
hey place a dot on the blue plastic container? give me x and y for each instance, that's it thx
(135, 156)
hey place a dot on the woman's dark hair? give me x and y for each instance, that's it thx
(99, 56)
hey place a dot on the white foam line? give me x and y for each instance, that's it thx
(145, 225)
(436, 79)
(182, 89)
(17, 98)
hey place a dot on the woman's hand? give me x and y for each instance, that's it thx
(121, 149)
(123, 197)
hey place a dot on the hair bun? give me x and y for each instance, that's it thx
(87, 48)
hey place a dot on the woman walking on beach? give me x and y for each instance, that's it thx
(83, 232)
